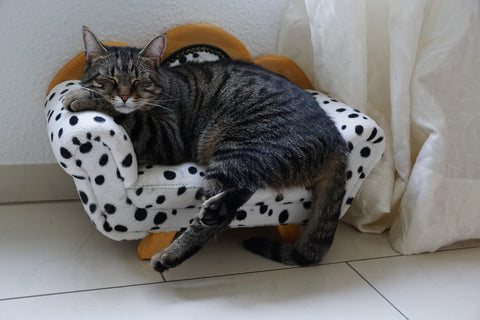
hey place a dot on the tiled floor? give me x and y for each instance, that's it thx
(54, 265)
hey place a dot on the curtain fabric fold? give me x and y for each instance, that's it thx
(414, 67)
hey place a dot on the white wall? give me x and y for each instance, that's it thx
(38, 37)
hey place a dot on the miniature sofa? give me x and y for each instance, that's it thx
(125, 201)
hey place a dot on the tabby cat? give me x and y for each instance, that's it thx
(252, 129)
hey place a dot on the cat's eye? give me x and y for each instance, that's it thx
(104, 82)
(143, 85)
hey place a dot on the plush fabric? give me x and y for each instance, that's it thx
(125, 201)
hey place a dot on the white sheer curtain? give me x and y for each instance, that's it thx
(413, 66)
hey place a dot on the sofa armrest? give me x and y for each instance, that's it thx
(84, 141)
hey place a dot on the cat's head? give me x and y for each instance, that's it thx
(126, 76)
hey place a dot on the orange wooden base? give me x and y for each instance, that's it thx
(153, 243)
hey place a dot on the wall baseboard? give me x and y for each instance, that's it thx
(35, 182)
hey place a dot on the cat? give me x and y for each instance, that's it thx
(251, 127)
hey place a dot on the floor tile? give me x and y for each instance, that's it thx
(350, 244)
(52, 247)
(442, 285)
(327, 292)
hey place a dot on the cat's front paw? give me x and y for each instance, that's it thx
(78, 100)
(161, 262)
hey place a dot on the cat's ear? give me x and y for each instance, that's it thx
(93, 48)
(154, 49)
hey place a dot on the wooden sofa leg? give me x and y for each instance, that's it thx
(153, 243)
(288, 233)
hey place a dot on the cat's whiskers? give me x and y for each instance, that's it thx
(157, 105)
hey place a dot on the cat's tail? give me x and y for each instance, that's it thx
(319, 231)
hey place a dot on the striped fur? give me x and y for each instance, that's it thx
(251, 127)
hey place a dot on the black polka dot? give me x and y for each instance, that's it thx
(73, 120)
(160, 199)
(341, 109)
(75, 141)
(139, 191)
(99, 180)
(181, 190)
(109, 208)
(349, 174)
(192, 170)
(112, 133)
(65, 153)
(378, 140)
(58, 117)
(99, 119)
(372, 134)
(128, 201)
(103, 160)
(174, 211)
(359, 130)
(349, 201)
(63, 165)
(344, 127)
(307, 204)
(160, 218)
(127, 162)
(283, 217)
(78, 177)
(169, 175)
(353, 115)
(83, 197)
(263, 208)
(60, 132)
(362, 175)
(360, 169)
(64, 91)
(350, 146)
(270, 212)
(51, 96)
(140, 214)
(107, 227)
(365, 152)
(241, 215)
(86, 147)
(92, 207)
(78, 163)
(279, 197)
(121, 228)
(202, 174)
(199, 194)
(326, 102)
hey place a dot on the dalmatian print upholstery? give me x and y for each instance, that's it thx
(125, 201)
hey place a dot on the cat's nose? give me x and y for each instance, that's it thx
(124, 98)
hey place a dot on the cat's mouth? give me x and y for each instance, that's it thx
(125, 108)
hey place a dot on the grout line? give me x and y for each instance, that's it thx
(376, 290)
(37, 202)
(80, 291)
(234, 274)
